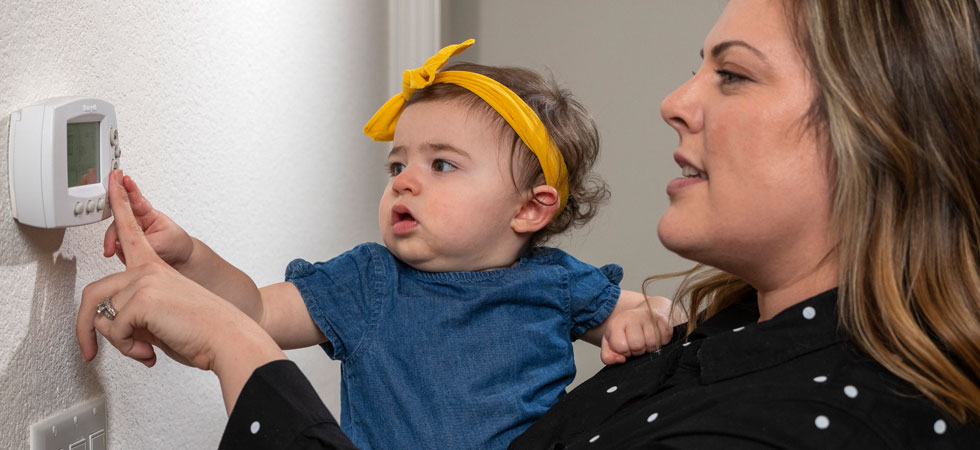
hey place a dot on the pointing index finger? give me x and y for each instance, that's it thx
(130, 234)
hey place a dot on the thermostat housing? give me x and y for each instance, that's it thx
(60, 153)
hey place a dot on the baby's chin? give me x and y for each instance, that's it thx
(415, 258)
(430, 262)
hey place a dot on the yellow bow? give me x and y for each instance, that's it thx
(509, 105)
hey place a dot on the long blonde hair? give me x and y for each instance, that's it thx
(898, 100)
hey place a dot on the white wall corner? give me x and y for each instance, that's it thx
(414, 34)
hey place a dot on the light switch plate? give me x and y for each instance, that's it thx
(82, 426)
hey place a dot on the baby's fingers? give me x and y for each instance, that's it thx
(664, 330)
(128, 230)
(109, 241)
(654, 339)
(143, 212)
(110, 244)
(141, 206)
(637, 339)
(608, 355)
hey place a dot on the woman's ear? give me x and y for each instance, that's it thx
(537, 210)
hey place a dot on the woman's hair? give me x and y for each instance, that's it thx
(569, 124)
(898, 102)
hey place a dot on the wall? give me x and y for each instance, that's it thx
(621, 59)
(241, 120)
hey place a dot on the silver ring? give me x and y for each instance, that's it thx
(105, 308)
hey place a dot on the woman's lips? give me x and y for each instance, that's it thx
(677, 184)
(691, 175)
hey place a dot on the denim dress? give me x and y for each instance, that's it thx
(452, 359)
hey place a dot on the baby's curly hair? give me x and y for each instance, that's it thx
(568, 122)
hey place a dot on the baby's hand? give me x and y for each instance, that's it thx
(168, 240)
(637, 325)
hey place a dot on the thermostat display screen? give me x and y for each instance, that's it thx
(83, 153)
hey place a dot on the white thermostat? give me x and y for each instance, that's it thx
(60, 155)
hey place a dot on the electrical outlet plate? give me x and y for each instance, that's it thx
(81, 427)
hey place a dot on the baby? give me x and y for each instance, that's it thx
(457, 333)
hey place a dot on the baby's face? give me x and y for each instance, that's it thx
(451, 197)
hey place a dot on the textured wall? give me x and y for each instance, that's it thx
(242, 121)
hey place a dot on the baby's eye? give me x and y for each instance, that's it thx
(441, 165)
(395, 168)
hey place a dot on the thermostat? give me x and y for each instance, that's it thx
(60, 155)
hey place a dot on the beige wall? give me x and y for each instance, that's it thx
(241, 120)
(621, 58)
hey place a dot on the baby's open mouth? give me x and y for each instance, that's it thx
(401, 213)
(402, 220)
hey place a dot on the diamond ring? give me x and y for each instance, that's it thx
(105, 308)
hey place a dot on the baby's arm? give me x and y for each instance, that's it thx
(634, 327)
(279, 308)
(285, 317)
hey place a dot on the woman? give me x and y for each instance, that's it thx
(830, 151)
(832, 148)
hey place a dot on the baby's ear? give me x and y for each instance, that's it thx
(537, 210)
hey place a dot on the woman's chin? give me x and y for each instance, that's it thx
(674, 236)
(686, 242)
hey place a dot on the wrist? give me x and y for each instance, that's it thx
(237, 355)
(244, 347)
(186, 263)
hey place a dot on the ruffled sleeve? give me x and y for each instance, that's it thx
(343, 295)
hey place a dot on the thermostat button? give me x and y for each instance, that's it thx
(78, 208)
(118, 152)
(113, 137)
(101, 205)
(90, 206)
(115, 164)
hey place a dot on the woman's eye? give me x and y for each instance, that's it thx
(395, 168)
(729, 77)
(441, 165)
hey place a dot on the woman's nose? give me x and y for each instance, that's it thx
(682, 108)
(407, 181)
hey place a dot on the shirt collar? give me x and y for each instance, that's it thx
(734, 343)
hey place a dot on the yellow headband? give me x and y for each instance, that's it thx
(509, 105)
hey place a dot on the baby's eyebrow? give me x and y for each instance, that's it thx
(429, 147)
(439, 146)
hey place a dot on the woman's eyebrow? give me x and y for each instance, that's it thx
(724, 46)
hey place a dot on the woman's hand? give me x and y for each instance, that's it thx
(157, 306)
(167, 239)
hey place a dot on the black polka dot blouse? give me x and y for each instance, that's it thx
(792, 382)
(278, 409)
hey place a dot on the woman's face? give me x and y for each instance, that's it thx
(754, 196)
